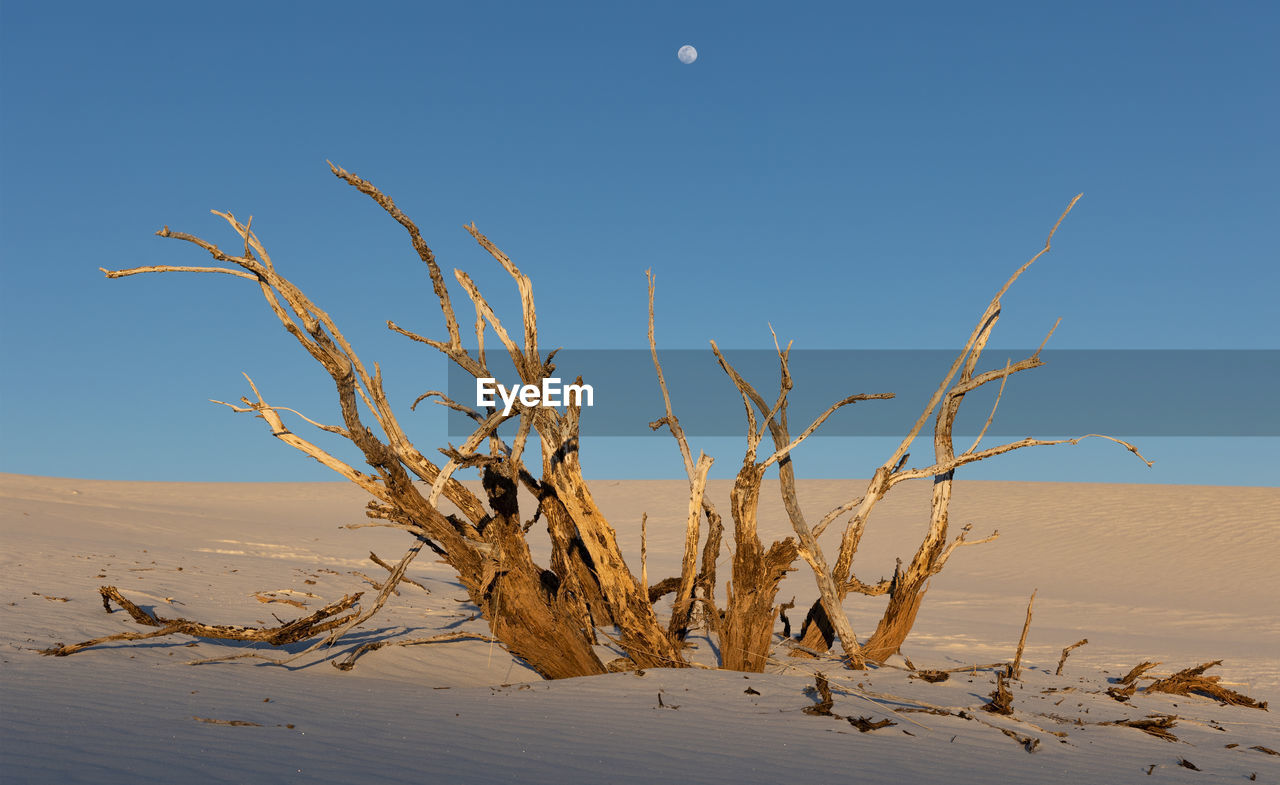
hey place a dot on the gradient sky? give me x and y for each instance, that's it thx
(857, 175)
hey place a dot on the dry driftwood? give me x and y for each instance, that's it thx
(823, 690)
(349, 662)
(1015, 670)
(1192, 681)
(1157, 725)
(1001, 701)
(1128, 685)
(323, 620)
(1131, 678)
(865, 724)
(752, 617)
(1066, 651)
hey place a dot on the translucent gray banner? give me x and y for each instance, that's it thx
(1124, 392)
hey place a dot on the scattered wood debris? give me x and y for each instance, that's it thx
(822, 689)
(262, 596)
(865, 724)
(1192, 681)
(1132, 676)
(239, 723)
(1029, 743)
(1129, 684)
(1157, 725)
(825, 702)
(1001, 698)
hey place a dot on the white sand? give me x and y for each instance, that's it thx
(1177, 574)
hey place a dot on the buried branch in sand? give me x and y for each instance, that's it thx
(323, 620)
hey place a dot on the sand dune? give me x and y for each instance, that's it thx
(1178, 574)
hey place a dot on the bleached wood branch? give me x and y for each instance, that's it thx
(424, 251)
(961, 541)
(809, 548)
(670, 420)
(1015, 670)
(786, 450)
(349, 662)
(165, 268)
(689, 563)
(525, 288)
(322, 620)
(990, 452)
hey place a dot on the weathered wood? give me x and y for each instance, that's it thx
(747, 630)
(909, 584)
(1192, 681)
(1066, 651)
(1001, 699)
(776, 423)
(1016, 669)
(323, 620)
(679, 623)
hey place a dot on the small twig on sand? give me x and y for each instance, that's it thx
(1066, 651)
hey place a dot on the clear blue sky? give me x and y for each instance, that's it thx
(858, 175)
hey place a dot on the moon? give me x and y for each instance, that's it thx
(687, 54)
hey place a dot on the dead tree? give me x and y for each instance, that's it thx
(907, 587)
(549, 616)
